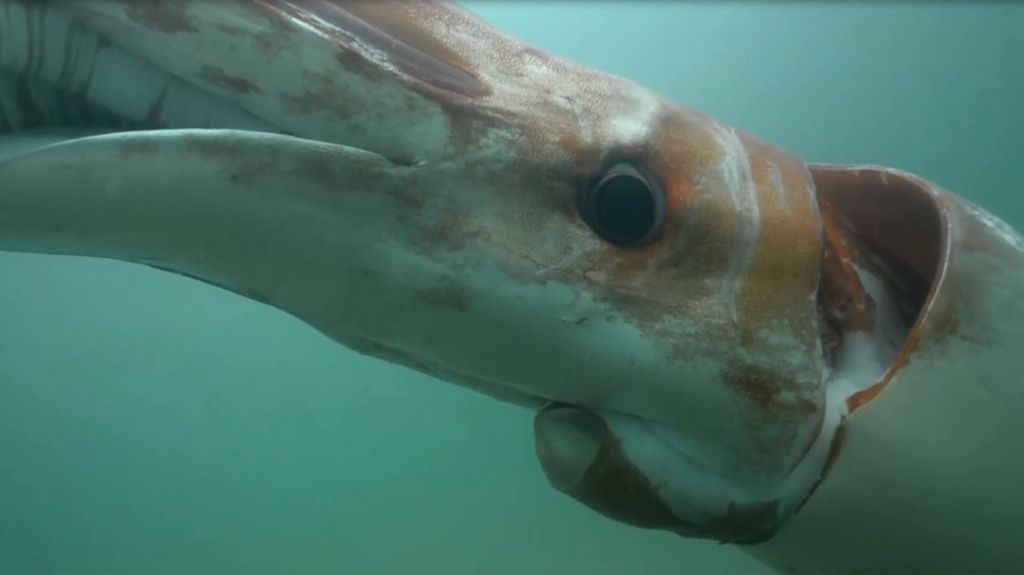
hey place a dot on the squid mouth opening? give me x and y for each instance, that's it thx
(886, 247)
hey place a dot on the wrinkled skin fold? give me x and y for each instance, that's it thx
(415, 185)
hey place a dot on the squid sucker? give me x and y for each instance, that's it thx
(820, 364)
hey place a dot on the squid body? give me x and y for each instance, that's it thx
(818, 363)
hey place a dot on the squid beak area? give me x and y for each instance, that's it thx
(583, 457)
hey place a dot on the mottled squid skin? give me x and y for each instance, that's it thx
(408, 180)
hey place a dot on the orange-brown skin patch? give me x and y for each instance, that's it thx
(393, 28)
(168, 16)
(425, 66)
(764, 388)
(421, 54)
(785, 269)
(218, 77)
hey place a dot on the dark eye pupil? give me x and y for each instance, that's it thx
(624, 207)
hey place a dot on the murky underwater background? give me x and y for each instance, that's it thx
(150, 424)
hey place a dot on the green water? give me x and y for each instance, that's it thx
(149, 424)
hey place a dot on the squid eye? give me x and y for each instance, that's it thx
(626, 207)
